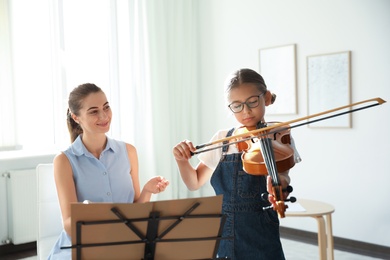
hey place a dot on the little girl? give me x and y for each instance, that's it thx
(255, 231)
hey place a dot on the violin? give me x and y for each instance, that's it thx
(269, 154)
(274, 154)
(252, 158)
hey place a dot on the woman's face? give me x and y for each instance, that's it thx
(253, 110)
(95, 114)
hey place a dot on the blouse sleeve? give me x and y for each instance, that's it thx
(211, 158)
(297, 157)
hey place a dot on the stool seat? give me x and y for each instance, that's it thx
(318, 210)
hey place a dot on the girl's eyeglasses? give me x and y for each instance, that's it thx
(251, 102)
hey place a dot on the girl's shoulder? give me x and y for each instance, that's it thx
(222, 133)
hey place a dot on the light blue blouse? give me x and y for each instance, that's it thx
(106, 179)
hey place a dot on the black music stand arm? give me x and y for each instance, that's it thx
(128, 223)
(188, 212)
(151, 235)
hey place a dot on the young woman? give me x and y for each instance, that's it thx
(255, 231)
(94, 167)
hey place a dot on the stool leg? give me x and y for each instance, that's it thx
(321, 237)
(329, 234)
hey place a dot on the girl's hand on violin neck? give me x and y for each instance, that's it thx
(271, 196)
(182, 151)
(156, 184)
(284, 179)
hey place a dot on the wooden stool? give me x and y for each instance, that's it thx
(318, 210)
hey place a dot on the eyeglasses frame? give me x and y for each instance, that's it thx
(246, 103)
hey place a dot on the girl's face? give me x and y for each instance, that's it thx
(253, 109)
(95, 114)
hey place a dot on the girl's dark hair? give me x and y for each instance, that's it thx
(242, 76)
(75, 100)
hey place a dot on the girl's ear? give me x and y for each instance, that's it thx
(268, 98)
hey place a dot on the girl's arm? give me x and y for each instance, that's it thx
(194, 178)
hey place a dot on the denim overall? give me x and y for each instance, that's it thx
(255, 231)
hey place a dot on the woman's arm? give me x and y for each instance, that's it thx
(63, 176)
(133, 157)
(154, 185)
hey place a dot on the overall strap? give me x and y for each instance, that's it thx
(226, 147)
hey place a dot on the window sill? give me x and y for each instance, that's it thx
(17, 154)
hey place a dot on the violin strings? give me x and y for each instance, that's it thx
(269, 159)
(268, 155)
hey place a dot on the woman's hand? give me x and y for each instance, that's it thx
(182, 151)
(156, 185)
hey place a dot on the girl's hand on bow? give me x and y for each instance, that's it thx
(183, 150)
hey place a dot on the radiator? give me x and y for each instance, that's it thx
(22, 206)
(3, 210)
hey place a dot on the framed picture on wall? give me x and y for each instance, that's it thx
(329, 86)
(278, 68)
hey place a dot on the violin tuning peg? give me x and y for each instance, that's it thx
(288, 189)
(291, 199)
(264, 196)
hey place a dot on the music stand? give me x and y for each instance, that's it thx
(172, 229)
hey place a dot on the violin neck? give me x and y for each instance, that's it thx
(269, 160)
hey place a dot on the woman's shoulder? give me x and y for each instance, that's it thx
(130, 147)
(60, 158)
(62, 164)
(119, 143)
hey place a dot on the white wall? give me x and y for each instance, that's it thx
(17, 160)
(344, 167)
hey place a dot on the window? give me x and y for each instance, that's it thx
(53, 46)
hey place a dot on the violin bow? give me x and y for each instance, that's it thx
(265, 130)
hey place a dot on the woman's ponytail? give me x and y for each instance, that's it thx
(74, 129)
